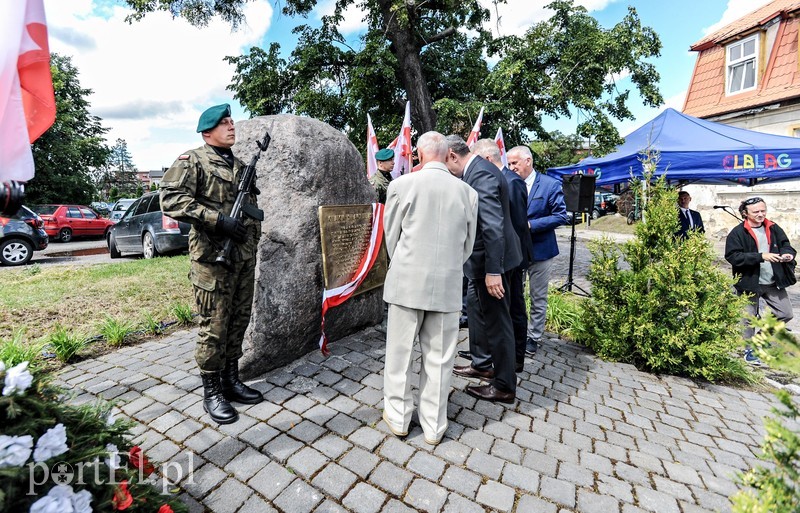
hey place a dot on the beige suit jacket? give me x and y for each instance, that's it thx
(429, 223)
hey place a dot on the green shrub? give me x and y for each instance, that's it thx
(564, 313)
(183, 313)
(66, 344)
(674, 311)
(17, 350)
(115, 332)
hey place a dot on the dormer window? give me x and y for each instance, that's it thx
(742, 59)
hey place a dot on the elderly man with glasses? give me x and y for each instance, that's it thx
(763, 260)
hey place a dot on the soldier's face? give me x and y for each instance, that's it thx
(223, 135)
(386, 165)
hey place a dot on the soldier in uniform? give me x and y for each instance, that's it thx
(380, 180)
(200, 188)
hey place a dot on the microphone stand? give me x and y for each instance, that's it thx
(728, 210)
(567, 287)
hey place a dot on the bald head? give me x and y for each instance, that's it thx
(488, 149)
(432, 147)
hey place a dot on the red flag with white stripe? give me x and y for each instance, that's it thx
(402, 146)
(498, 139)
(27, 101)
(476, 130)
(372, 149)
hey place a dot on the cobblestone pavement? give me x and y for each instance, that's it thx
(584, 435)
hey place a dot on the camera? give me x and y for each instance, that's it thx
(11, 195)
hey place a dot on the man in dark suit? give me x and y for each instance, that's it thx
(496, 252)
(690, 219)
(518, 203)
(546, 212)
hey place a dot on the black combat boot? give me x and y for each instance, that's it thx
(235, 390)
(217, 407)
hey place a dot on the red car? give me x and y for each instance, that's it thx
(63, 222)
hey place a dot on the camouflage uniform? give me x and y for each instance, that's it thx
(199, 186)
(380, 181)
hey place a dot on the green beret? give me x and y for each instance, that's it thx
(384, 154)
(212, 116)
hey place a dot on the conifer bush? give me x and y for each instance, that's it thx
(673, 310)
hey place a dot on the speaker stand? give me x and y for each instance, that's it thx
(567, 287)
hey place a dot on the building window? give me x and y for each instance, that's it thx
(742, 65)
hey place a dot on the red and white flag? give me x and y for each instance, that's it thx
(372, 149)
(27, 102)
(339, 295)
(476, 130)
(498, 139)
(402, 146)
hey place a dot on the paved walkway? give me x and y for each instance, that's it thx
(583, 436)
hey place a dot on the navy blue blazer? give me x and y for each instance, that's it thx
(683, 232)
(546, 212)
(518, 203)
(496, 248)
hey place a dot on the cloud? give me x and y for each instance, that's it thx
(353, 17)
(154, 76)
(517, 16)
(735, 10)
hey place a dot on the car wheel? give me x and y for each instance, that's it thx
(15, 252)
(149, 245)
(65, 235)
(595, 214)
(112, 247)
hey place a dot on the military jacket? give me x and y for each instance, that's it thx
(381, 184)
(196, 189)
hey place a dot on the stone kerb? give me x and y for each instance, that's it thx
(308, 164)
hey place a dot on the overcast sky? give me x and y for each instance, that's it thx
(152, 79)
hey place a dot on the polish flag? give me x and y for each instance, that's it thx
(476, 130)
(372, 149)
(402, 146)
(498, 139)
(27, 102)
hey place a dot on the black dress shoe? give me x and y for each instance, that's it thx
(490, 393)
(530, 347)
(465, 354)
(462, 322)
(468, 371)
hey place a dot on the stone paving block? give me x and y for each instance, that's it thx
(672, 488)
(682, 473)
(368, 395)
(577, 474)
(235, 429)
(710, 500)
(717, 485)
(507, 451)
(576, 440)
(299, 404)
(655, 501)
(493, 411)
(530, 440)
(307, 431)
(471, 419)
(562, 452)
(330, 507)
(608, 485)
(151, 413)
(391, 478)
(343, 404)
(279, 395)
(458, 504)
(163, 451)
(367, 415)
(183, 430)
(497, 496)
(395, 506)
(307, 462)
(367, 437)
(485, 464)
(271, 480)
(645, 461)
(192, 504)
(452, 451)
(477, 440)
(247, 464)
(259, 435)
(364, 498)
(298, 497)
(521, 477)
(359, 461)
(284, 420)
(426, 465)
(137, 405)
(320, 414)
(224, 451)
(652, 449)
(343, 425)
(334, 480)
(228, 497)
(535, 504)
(205, 478)
(631, 474)
(282, 448)
(589, 502)
(332, 446)
(425, 496)
(257, 505)
(558, 491)
(347, 387)
(541, 463)
(462, 481)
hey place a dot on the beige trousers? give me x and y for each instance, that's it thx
(438, 336)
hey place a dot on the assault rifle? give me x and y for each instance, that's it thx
(241, 206)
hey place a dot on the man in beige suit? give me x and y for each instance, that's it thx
(429, 221)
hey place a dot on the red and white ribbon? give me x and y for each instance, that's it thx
(339, 295)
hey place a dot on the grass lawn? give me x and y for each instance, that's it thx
(34, 300)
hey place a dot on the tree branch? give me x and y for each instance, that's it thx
(449, 31)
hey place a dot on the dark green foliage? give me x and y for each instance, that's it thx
(41, 407)
(673, 311)
(69, 150)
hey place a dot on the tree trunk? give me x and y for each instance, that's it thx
(407, 50)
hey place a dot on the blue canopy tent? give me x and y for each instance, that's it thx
(696, 151)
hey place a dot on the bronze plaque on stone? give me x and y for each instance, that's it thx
(345, 231)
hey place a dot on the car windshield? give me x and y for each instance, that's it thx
(44, 209)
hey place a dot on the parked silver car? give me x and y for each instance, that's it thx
(119, 208)
(144, 229)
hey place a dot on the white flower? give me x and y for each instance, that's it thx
(50, 444)
(57, 500)
(111, 418)
(2, 366)
(81, 500)
(113, 456)
(15, 450)
(18, 379)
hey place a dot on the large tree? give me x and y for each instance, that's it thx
(67, 153)
(433, 53)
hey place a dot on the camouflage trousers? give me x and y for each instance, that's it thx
(224, 300)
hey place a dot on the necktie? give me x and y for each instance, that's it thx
(688, 218)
